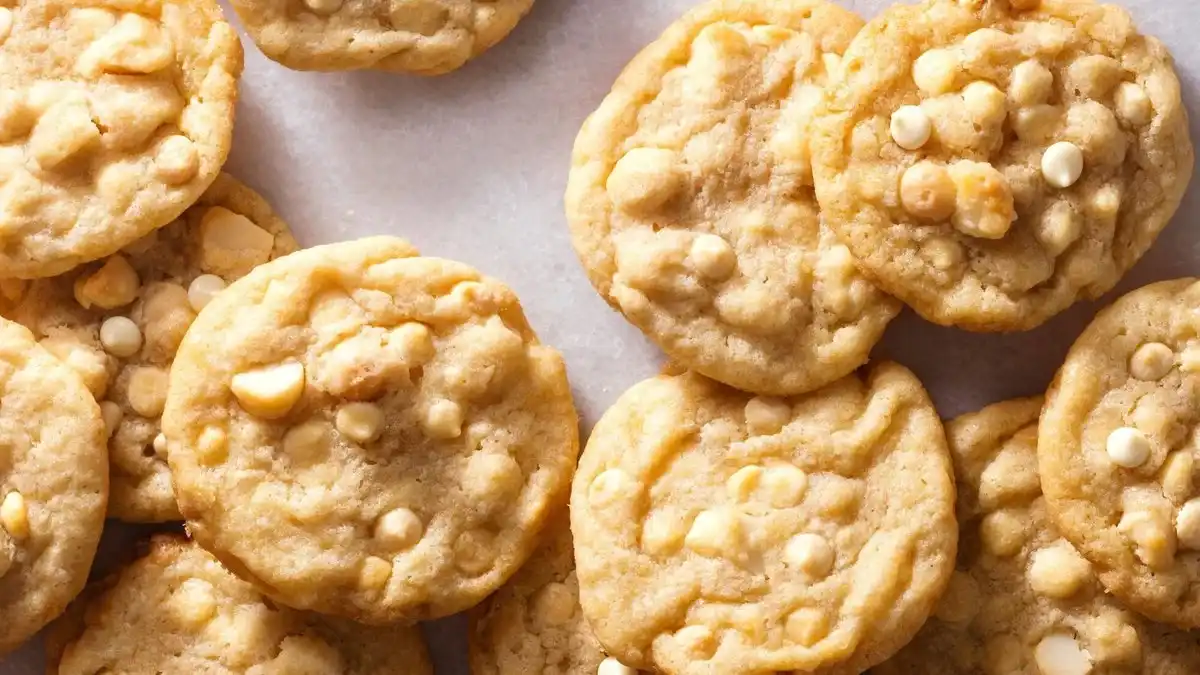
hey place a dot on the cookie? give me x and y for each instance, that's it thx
(534, 624)
(691, 204)
(719, 532)
(114, 118)
(369, 433)
(177, 610)
(53, 485)
(1118, 445)
(990, 162)
(425, 37)
(120, 320)
(1023, 601)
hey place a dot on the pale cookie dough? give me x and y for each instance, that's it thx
(53, 485)
(1119, 446)
(177, 610)
(426, 37)
(721, 533)
(1057, 151)
(120, 320)
(115, 115)
(1023, 601)
(691, 204)
(368, 433)
(534, 624)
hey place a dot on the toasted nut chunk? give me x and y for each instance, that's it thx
(360, 422)
(611, 666)
(1152, 361)
(14, 515)
(120, 337)
(1058, 571)
(1153, 538)
(927, 191)
(160, 445)
(1060, 654)
(203, 289)
(114, 285)
(712, 257)
(743, 483)
(166, 316)
(309, 442)
(375, 572)
(911, 127)
(270, 392)
(147, 391)
(1127, 447)
(934, 71)
(645, 179)
(1062, 164)
(194, 603)
(230, 244)
(1059, 227)
(984, 203)
(1094, 75)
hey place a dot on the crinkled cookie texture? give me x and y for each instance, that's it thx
(120, 320)
(1119, 446)
(1023, 601)
(719, 532)
(368, 433)
(426, 37)
(990, 162)
(53, 485)
(114, 118)
(177, 610)
(691, 203)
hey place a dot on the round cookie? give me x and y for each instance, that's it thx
(369, 433)
(534, 624)
(120, 320)
(718, 532)
(1023, 601)
(53, 485)
(203, 619)
(691, 205)
(1118, 445)
(425, 37)
(991, 162)
(114, 118)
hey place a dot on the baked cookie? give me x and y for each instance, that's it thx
(534, 624)
(1118, 445)
(426, 37)
(119, 322)
(177, 610)
(114, 117)
(53, 485)
(691, 205)
(990, 162)
(1023, 601)
(368, 433)
(719, 532)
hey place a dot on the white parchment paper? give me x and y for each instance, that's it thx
(473, 166)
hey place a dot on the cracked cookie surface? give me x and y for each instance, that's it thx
(114, 118)
(691, 204)
(1118, 447)
(203, 619)
(119, 321)
(1023, 601)
(990, 162)
(718, 532)
(53, 485)
(426, 37)
(369, 433)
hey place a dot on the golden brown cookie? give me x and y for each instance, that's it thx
(177, 610)
(719, 532)
(691, 203)
(369, 433)
(115, 116)
(990, 162)
(119, 321)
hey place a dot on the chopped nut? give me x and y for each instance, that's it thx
(1176, 476)
(270, 392)
(716, 534)
(1187, 525)
(1133, 106)
(807, 625)
(165, 317)
(375, 572)
(743, 483)
(927, 191)
(360, 422)
(934, 71)
(784, 485)
(91, 364)
(308, 442)
(114, 285)
(611, 666)
(1031, 83)
(63, 132)
(1152, 361)
(1153, 537)
(1003, 533)
(176, 160)
(147, 391)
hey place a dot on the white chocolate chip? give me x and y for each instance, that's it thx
(1058, 571)
(767, 415)
(784, 485)
(645, 179)
(203, 289)
(984, 201)
(1187, 525)
(715, 533)
(927, 191)
(743, 483)
(911, 127)
(64, 131)
(160, 445)
(112, 415)
(1031, 83)
(1127, 447)
(934, 71)
(14, 515)
(1133, 106)
(1062, 164)
(270, 392)
(1152, 361)
(120, 337)
(1060, 654)
(360, 422)
(444, 419)
(712, 257)
(399, 529)
(811, 554)
(611, 666)
(1153, 538)
(114, 285)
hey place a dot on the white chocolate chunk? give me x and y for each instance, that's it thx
(911, 127)
(611, 666)
(1152, 361)
(1031, 83)
(766, 415)
(784, 486)
(444, 419)
(1058, 571)
(360, 422)
(203, 289)
(120, 336)
(934, 71)
(14, 515)
(1060, 654)
(399, 529)
(160, 445)
(927, 191)
(1153, 538)
(136, 45)
(712, 257)
(715, 533)
(1127, 447)
(1133, 106)
(644, 180)
(114, 285)
(1187, 525)
(112, 415)
(147, 391)
(231, 244)
(811, 554)
(270, 392)
(176, 160)
(1062, 164)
